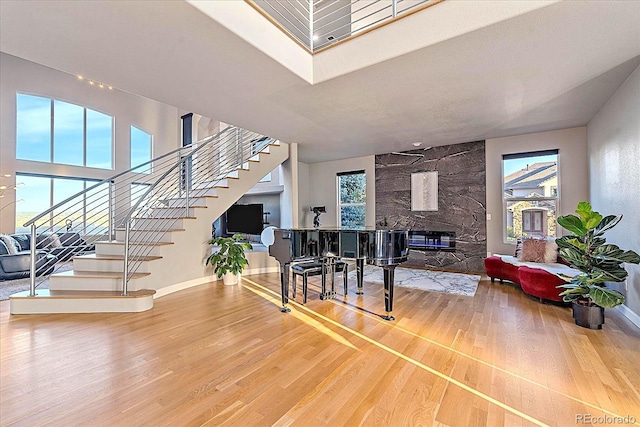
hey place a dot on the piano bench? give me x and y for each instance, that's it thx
(313, 268)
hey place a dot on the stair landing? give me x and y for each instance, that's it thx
(47, 302)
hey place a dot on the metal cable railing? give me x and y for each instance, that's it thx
(143, 203)
(320, 23)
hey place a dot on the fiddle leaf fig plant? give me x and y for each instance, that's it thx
(230, 258)
(599, 262)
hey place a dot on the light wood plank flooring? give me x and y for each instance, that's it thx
(216, 355)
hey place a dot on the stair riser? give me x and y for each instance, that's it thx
(220, 183)
(61, 283)
(171, 212)
(157, 223)
(178, 203)
(107, 249)
(145, 236)
(211, 192)
(105, 265)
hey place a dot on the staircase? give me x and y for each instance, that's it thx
(167, 233)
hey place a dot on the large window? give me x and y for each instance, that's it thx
(53, 131)
(352, 198)
(40, 192)
(530, 194)
(140, 149)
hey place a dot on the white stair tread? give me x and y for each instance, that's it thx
(96, 274)
(117, 257)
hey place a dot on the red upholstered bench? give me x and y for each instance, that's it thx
(498, 269)
(533, 281)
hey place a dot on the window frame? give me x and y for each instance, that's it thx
(505, 201)
(52, 138)
(340, 205)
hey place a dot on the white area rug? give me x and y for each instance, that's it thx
(426, 280)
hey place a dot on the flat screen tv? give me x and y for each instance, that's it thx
(245, 219)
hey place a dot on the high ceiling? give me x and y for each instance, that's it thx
(551, 68)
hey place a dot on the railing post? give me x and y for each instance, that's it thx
(394, 8)
(180, 174)
(32, 282)
(187, 173)
(125, 275)
(238, 144)
(111, 216)
(241, 149)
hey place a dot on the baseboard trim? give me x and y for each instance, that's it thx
(184, 285)
(208, 279)
(629, 314)
(261, 270)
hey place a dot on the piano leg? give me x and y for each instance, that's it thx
(284, 287)
(388, 291)
(360, 274)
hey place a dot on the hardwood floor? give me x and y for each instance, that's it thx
(216, 355)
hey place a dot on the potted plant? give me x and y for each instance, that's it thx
(229, 260)
(599, 262)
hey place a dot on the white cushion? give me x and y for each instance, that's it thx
(554, 268)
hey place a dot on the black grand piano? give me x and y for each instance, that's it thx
(384, 248)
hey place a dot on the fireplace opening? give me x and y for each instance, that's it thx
(432, 240)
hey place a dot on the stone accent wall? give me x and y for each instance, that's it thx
(461, 201)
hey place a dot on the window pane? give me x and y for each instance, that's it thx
(72, 210)
(530, 218)
(140, 148)
(352, 188)
(352, 216)
(97, 208)
(68, 133)
(33, 128)
(99, 140)
(36, 195)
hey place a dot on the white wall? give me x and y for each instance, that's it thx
(572, 171)
(289, 198)
(306, 217)
(17, 75)
(614, 157)
(322, 189)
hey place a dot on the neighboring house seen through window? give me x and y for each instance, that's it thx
(352, 198)
(53, 131)
(530, 194)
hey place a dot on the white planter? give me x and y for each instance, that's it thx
(230, 278)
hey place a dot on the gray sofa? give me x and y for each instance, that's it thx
(50, 249)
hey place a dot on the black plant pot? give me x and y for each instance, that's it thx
(588, 316)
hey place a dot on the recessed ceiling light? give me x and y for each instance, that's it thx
(417, 144)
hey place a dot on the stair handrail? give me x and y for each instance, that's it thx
(243, 139)
(118, 175)
(96, 209)
(199, 146)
